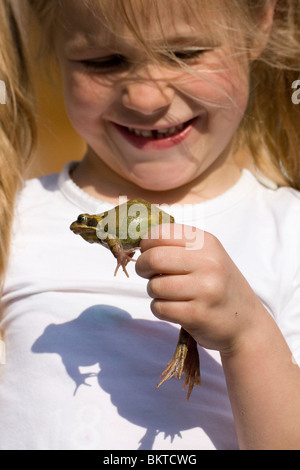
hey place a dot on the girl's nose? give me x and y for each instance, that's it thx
(147, 96)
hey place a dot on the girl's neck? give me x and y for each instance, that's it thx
(94, 177)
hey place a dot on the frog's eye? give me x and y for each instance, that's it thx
(82, 219)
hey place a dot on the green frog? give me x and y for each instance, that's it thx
(121, 230)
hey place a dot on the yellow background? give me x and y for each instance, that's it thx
(58, 142)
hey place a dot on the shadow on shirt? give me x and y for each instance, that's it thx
(131, 354)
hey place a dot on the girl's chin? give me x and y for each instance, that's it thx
(158, 183)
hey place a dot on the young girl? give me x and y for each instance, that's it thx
(170, 97)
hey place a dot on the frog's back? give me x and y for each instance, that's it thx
(136, 218)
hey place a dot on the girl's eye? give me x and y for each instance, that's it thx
(188, 54)
(105, 64)
(117, 63)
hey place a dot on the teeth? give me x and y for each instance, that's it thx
(156, 134)
(140, 132)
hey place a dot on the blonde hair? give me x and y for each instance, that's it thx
(270, 128)
(17, 126)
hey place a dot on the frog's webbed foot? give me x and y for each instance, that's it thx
(123, 258)
(185, 360)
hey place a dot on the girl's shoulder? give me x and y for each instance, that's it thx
(282, 202)
(37, 191)
(283, 199)
(270, 191)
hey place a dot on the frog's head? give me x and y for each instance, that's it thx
(86, 226)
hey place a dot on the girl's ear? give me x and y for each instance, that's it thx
(264, 26)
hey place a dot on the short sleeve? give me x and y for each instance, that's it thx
(288, 319)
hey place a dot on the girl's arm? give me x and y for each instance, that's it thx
(263, 383)
(202, 290)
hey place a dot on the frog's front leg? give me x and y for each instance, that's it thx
(122, 255)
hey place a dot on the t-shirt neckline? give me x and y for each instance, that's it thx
(87, 203)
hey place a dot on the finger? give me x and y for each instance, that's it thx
(173, 311)
(174, 288)
(186, 236)
(164, 260)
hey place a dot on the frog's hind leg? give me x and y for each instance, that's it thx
(185, 360)
(123, 258)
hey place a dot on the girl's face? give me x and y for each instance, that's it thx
(155, 123)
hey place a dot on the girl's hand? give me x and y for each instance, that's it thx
(193, 282)
(204, 291)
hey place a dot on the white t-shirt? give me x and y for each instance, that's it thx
(83, 350)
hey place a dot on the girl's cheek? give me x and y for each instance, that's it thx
(221, 81)
(223, 89)
(84, 98)
(81, 86)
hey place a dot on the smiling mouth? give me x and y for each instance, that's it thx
(158, 134)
